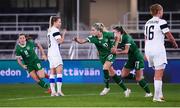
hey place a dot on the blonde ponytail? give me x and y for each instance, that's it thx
(50, 20)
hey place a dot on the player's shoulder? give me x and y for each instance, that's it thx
(30, 41)
(91, 37)
(54, 29)
(107, 34)
(126, 37)
(162, 21)
(148, 21)
(17, 47)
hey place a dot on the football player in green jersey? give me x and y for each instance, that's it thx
(135, 59)
(105, 42)
(25, 50)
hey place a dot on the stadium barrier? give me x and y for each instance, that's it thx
(82, 71)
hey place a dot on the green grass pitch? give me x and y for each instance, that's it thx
(84, 95)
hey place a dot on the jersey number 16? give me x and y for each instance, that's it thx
(150, 32)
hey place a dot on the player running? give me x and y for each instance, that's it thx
(135, 59)
(104, 42)
(25, 50)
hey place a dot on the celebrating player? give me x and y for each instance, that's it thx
(135, 59)
(25, 50)
(104, 42)
(155, 31)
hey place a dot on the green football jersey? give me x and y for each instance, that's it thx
(128, 40)
(27, 52)
(103, 44)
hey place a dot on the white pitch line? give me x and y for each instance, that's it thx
(36, 97)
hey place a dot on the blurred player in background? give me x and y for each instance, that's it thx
(135, 59)
(55, 38)
(104, 42)
(155, 31)
(25, 51)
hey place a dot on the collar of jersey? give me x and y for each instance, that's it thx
(22, 45)
(100, 37)
(155, 17)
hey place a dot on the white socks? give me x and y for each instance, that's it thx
(158, 89)
(59, 82)
(52, 83)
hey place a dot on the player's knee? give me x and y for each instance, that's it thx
(157, 78)
(41, 75)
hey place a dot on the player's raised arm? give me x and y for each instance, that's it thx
(61, 40)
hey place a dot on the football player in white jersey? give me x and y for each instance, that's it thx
(155, 31)
(55, 38)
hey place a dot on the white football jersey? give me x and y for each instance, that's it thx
(53, 45)
(155, 28)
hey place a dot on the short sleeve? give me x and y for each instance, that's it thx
(32, 42)
(18, 54)
(110, 35)
(91, 39)
(128, 40)
(164, 26)
(56, 34)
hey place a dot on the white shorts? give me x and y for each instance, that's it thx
(157, 60)
(55, 61)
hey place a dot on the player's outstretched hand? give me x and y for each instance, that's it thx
(64, 32)
(75, 38)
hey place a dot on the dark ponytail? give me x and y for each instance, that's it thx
(120, 29)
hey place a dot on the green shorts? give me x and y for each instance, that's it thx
(36, 65)
(111, 58)
(135, 62)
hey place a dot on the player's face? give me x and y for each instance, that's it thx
(58, 23)
(94, 32)
(22, 39)
(116, 33)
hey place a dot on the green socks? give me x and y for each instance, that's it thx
(106, 78)
(43, 84)
(144, 85)
(119, 81)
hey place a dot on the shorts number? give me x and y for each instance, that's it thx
(39, 65)
(137, 64)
